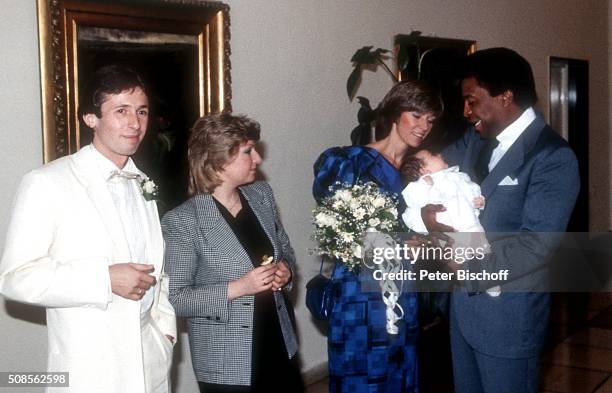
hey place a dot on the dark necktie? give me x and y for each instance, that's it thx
(481, 169)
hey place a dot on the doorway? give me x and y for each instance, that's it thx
(569, 115)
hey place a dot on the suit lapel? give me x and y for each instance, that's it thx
(86, 172)
(263, 214)
(513, 159)
(473, 151)
(218, 232)
(155, 239)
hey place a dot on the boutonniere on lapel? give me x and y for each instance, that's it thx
(149, 189)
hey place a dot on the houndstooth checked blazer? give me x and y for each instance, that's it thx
(202, 256)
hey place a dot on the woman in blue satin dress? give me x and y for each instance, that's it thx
(363, 357)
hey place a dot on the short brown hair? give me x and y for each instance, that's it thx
(411, 168)
(408, 96)
(213, 141)
(105, 81)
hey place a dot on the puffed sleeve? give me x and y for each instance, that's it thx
(334, 165)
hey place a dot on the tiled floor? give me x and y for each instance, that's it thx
(579, 355)
(579, 358)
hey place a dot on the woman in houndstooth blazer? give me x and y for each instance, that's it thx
(230, 264)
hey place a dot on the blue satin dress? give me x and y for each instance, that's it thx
(363, 357)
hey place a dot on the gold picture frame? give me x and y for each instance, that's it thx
(62, 23)
(412, 49)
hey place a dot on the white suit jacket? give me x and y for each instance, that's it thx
(64, 233)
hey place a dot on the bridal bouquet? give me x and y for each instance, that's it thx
(342, 219)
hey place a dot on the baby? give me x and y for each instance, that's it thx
(430, 180)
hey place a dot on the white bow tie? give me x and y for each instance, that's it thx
(118, 173)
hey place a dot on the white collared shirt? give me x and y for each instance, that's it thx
(510, 134)
(130, 203)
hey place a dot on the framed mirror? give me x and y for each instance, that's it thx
(436, 60)
(180, 47)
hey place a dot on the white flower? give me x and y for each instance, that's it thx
(373, 222)
(393, 211)
(379, 201)
(325, 220)
(149, 189)
(359, 213)
(347, 237)
(357, 251)
(344, 195)
(337, 204)
(148, 186)
(354, 204)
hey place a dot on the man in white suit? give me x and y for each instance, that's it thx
(85, 244)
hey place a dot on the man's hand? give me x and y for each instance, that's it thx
(428, 214)
(435, 229)
(131, 280)
(282, 276)
(479, 202)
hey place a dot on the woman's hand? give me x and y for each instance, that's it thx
(257, 280)
(282, 276)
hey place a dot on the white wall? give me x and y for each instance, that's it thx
(24, 344)
(290, 61)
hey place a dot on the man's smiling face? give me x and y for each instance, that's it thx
(485, 112)
(122, 126)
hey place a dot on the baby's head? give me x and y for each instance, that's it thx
(421, 163)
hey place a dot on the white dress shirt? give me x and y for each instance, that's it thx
(510, 134)
(127, 197)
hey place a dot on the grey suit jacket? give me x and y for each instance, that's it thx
(202, 256)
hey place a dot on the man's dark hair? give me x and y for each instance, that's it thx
(501, 69)
(107, 80)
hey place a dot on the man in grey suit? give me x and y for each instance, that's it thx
(529, 177)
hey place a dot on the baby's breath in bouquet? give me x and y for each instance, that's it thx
(342, 219)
